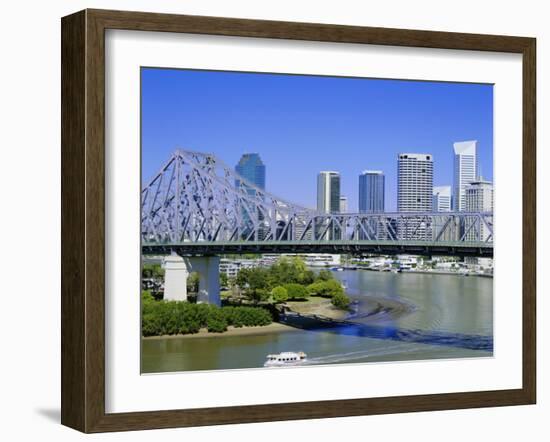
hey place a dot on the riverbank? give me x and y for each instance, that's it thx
(430, 272)
(274, 327)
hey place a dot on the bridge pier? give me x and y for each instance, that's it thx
(208, 268)
(177, 269)
(175, 278)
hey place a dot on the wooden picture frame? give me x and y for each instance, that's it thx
(83, 220)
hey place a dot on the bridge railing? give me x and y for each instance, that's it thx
(430, 227)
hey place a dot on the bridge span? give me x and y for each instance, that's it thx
(425, 248)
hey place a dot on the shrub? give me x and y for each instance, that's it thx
(340, 301)
(333, 287)
(325, 275)
(328, 288)
(173, 317)
(280, 294)
(216, 322)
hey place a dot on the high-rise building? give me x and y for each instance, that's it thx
(442, 227)
(479, 198)
(371, 200)
(328, 192)
(328, 201)
(441, 200)
(414, 193)
(414, 182)
(465, 171)
(371, 191)
(251, 168)
(343, 204)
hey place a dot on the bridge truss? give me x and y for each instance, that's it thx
(197, 200)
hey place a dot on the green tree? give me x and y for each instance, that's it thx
(280, 294)
(257, 279)
(325, 275)
(334, 287)
(296, 291)
(224, 280)
(328, 288)
(242, 278)
(257, 295)
(193, 282)
(152, 271)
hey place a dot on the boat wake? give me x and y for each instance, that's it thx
(361, 355)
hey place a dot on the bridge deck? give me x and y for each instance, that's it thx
(458, 248)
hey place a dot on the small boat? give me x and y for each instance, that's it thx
(286, 358)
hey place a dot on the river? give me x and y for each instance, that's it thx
(440, 316)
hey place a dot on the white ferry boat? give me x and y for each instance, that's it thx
(286, 358)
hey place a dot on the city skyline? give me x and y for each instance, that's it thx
(301, 125)
(371, 186)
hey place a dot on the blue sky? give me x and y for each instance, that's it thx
(303, 124)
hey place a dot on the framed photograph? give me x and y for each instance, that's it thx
(268, 220)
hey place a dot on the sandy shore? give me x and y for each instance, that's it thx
(317, 306)
(231, 331)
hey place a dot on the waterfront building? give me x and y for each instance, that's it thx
(328, 199)
(414, 193)
(465, 171)
(371, 200)
(441, 200)
(231, 267)
(310, 259)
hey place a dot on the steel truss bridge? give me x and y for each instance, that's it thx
(198, 205)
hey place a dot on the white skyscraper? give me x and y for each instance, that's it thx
(465, 171)
(328, 201)
(328, 192)
(479, 198)
(414, 193)
(414, 182)
(441, 200)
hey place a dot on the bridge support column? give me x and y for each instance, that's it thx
(175, 278)
(208, 268)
